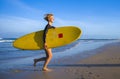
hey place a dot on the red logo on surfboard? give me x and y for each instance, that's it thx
(60, 35)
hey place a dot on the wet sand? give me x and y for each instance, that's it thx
(105, 64)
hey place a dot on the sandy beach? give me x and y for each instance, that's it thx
(104, 64)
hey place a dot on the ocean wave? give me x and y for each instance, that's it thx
(66, 47)
(6, 40)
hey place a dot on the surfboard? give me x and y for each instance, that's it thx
(57, 37)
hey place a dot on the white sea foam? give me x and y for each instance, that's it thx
(6, 40)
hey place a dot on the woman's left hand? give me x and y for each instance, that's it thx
(45, 46)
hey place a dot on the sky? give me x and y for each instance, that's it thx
(96, 18)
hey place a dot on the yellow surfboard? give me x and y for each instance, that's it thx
(57, 37)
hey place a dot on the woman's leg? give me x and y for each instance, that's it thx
(40, 59)
(48, 58)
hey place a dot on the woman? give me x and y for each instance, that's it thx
(49, 18)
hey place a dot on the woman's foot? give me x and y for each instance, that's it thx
(35, 61)
(46, 69)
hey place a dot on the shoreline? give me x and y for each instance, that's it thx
(103, 63)
(86, 54)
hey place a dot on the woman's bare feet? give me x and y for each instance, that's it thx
(46, 69)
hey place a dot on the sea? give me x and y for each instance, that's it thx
(12, 58)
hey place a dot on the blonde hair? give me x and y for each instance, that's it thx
(47, 16)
